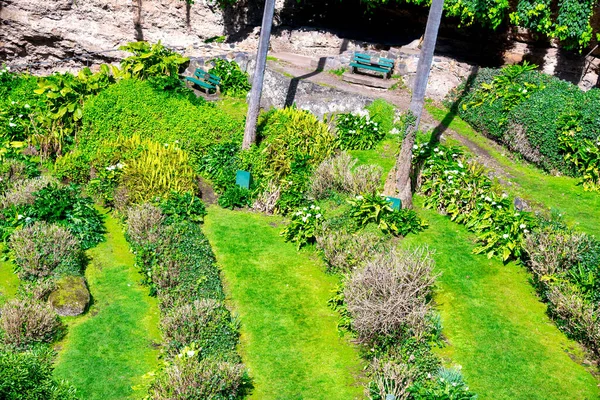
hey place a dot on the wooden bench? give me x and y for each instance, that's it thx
(364, 61)
(205, 80)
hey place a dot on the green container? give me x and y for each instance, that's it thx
(243, 179)
(396, 203)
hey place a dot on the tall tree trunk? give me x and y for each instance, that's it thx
(259, 74)
(404, 163)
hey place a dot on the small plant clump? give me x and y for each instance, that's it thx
(357, 131)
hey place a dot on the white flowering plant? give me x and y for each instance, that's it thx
(357, 131)
(303, 225)
(462, 189)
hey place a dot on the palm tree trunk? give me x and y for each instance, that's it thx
(404, 163)
(259, 74)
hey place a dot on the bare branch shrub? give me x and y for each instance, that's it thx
(144, 223)
(42, 249)
(392, 377)
(37, 290)
(22, 192)
(344, 251)
(366, 179)
(26, 321)
(333, 174)
(267, 200)
(552, 251)
(189, 377)
(578, 318)
(390, 293)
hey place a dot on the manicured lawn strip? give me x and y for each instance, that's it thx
(384, 154)
(109, 349)
(497, 328)
(289, 338)
(9, 281)
(559, 192)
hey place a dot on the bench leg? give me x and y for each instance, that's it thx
(354, 70)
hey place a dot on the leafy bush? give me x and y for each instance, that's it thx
(461, 189)
(552, 123)
(150, 61)
(390, 294)
(183, 207)
(28, 375)
(144, 224)
(336, 174)
(220, 164)
(133, 107)
(41, 250)
(205, 323)
(188, 376)
(22, 193)
(235, 197)
(383, 114)
(377, 209)
(234, 81)
(303, 226)
(357, 132)
(25, 322)
(290, 136)
(447, 384)
(72, 167)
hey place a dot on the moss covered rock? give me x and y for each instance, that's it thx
(71, 296)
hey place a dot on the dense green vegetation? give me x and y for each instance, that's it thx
(550, 122)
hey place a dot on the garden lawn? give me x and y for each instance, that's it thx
(559, 192)
(111, 348)
(289, 339)
(497, 328)
(9, 282)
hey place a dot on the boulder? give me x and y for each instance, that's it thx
(71, 297)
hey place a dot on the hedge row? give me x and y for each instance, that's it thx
(550, 122)
(200, 335)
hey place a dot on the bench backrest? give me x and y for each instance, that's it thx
(210, 78)
(362, 58)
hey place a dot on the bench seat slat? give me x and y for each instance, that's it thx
(200, 83)
(371, 67)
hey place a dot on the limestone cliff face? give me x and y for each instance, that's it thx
(47, 30)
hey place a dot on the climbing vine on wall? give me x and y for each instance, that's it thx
(534, 15)
(573, 22)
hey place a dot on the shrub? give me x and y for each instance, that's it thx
(550, 122)
(344, 251)
(150, 61)
(390, 294)
(335, 175)
(391, 378)
(133, 107)
(383, 114)
(183, 207)
(220, 164)
(23, 193)
(303, 226)
(447, 384)
(235, 197)
(28, 375)
(25, 322)
(357, 132)
(41, 250)
(206, 323)
(190, 377)
(157, 171)
(377, 209)
(72, 167)
(234, 81)
(290, 136)
(144, 224)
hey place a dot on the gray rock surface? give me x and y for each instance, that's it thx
(71, 296)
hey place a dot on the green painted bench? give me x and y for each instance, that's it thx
(205, 80)
(364, 61)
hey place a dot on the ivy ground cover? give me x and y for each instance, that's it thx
(289, 337)
(109, 350)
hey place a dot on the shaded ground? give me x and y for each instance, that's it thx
(109, 350)
(289, 337)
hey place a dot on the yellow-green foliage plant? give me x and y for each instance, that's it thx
(158, 170)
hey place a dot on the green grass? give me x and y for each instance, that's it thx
(497, 328)
(384, 154)
(562, 193)
(233, 107)
(9, 282)
(109, 349)
(289, 339)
